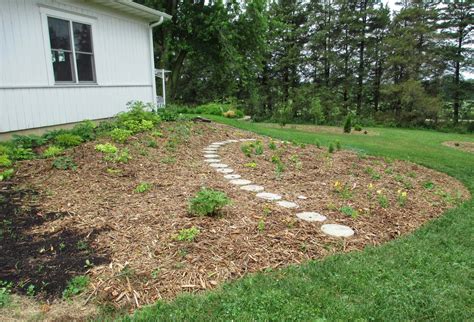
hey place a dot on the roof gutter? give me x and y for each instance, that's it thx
(152, 57)
(140, 7)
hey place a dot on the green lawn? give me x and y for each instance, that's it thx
(428, 275)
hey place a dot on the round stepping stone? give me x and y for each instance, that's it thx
(240, 182)
(211, 156)
(301, 197)
(232, 141)
(232, 176)
(224, 170)
(218, 165)
(311, 216)
(252, 188)
(215, 147)
(212, 160)
(287, 204)
(268, 196)
(337, 230)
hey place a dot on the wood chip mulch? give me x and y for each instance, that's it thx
(136, 230)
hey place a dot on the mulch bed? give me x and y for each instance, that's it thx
(132, 257)
(463, 146)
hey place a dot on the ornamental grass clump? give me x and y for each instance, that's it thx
(208, 202)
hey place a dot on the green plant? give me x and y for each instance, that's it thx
(76, 286)
(168, 160)
(187, 234)
(106, 148)
(30, 291)
(331, 148)
(208, 202)
(114, 171)
(382, 199)
(252, 164)
(357, 127)
(151, 143)
(123, 156)
(86, 130)
(158, 134)
(64, 163)
(428, 185)
(258, 148)
(349, 211)
(120, 135)
(20, 153)
(5, 161)
(318, 144)
(52, 151)
(338, 145)
(348, 124)
(279, 169)
(272, 146)
(136, 126)
(5, 293)
(143, 187)
(373, 174)
(246, 148)
(82, 245)
(261, 225)
(68, 140)
(28, 141)
(402, 198)
(6, 174)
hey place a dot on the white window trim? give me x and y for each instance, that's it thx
(47, 12)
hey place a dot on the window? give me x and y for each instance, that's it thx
(71, 51)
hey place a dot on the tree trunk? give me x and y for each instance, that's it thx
(457, 72)
(361, 59)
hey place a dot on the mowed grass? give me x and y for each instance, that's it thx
(428, 275)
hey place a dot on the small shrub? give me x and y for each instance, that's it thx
(187, 234)
(143, 187)
(122, 156)
(68, 140)
(20, 153)
(338, 146)
(428, 185)
(208, 202)
(6, 174)
(331, 148)
(138, 126)
(120, 135)
(279, 169)
(272, 146)
(382, 199)
(357, 128)
(5, 293)
(52, 151)
(5, 149)
(246, 148)
(86, 130)
(229, 114)
(348, 124)
(64, 163)
(76, 286)
(151, 144)
(167, 114)
(402, 198)
(258, 148)
(5, 161)
(106, 148)
(349, 211)
(318, 144)
(28, 141)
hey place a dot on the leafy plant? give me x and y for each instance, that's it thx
(168, 160)
(5, 293)
(86, 130)
(187, 234)
(357, 127)
(64, 163)
(382, 199)
(68, 140)
(348, 124)
(76, 286)
(151, 144)
(120, 135)
(349, 211)
(252, 164)
(279, 169)
(331, 148)
(28, 141)
(20, 153)
(402, 198)
(338, 145)
(52, 151)
(246, 148)
(208, 202)
(272, 146)
(318, 144)
(428, 185)
(106, 148)
(258, 148)
(143, 187)
(373, 174)
(5, 161)
(30, 291)
(6, 174)
(158, 134)
(261, 225)
(136, 126)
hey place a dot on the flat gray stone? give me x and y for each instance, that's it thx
(207, 150)
(218, 165)
(232, 141)
(252, 188)
(224, 170)
(311, 216)
(268, 196)
(212, 160)
(232, 176)
(218, 143)
(211, 156)
(337, 230)
(240, 182)
(287, 204)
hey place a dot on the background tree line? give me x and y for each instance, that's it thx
(318, 61)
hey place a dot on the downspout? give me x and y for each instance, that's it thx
(152, 57)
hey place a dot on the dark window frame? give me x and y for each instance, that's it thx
(74, 53)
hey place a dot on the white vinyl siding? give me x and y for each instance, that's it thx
(29, 95)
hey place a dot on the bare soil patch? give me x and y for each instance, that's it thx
(134, 257)
(463, 146)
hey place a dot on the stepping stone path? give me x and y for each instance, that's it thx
(311, 216)
(337, 230)
(211, 156)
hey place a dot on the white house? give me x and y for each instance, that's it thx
(63, 61)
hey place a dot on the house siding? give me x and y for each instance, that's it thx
(28, 96)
